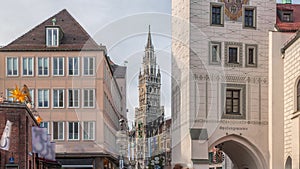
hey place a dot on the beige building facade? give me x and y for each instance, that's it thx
(73, 88)
(220, 82)
(283, 88)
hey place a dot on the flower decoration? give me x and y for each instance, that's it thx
(38, 119)
(21, 95)
(17, 95)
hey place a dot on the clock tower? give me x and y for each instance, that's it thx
(150, 114)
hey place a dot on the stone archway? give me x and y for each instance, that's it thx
(288, 163)
(242, 153)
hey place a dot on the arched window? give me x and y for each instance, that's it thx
(298, 96)
(288, 163)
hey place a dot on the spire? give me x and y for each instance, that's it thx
(149, 42)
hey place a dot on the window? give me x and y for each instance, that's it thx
(249, 17)
(88, 66)
(43, 98)
(45, 124)
(58, 130)
(233, 55)
(88, 130)
(216, 14)
(215, 53)
(287, 16)
(12, 66)
(73, 99)
(58, 98)
(298, 96)
(88, 98)
(233, 101)
(43, 66)
(31, 92)
(73, 131)
(27, 67)
(8, 95)
(251, 55)
(58, 66)
(52, 37)
(73, 66)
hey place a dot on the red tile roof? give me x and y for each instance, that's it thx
(75, 38)
(288, 26)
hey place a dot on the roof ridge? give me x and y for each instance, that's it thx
(75, 37)
(35, 27)
(82, 29)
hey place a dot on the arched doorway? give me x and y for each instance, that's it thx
(241, 152)
(288, 163)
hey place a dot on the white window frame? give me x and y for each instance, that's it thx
(221, 5)
(218, 44)
(8, 94)
(58, 95)
(57, 69)
(43, 125)
(84, 100)
(28, 66)
(43, 99)
(54, 39)
(238, 54)
(70, 99)
(83, 66)
(74, 66)
(88, 130)
(254, 16)
(255, 57)
(12, 66)
(63, 130)
(73, 128)
(31, 92)
(43, 66)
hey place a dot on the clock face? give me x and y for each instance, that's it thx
(233, 8)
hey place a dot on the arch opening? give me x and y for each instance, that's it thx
(237, 154)
(288, 163)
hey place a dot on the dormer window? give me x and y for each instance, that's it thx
(52, 36)
(287, 16)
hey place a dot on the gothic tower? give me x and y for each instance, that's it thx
(149, 115)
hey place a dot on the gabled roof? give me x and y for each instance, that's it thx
(75, 38)
(292, 26)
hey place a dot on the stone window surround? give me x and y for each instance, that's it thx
(247, 46)
(216, 4)
(211, 43)
(242, 88)
(254, 17)
(240, 54)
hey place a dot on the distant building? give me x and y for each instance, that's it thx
(20, 141)
(151, 132)
(284, 88)
(75, 88)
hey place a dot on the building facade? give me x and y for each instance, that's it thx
(151, 135)
(73, 88)
(17, 151)
(220, 82)
(284, 88)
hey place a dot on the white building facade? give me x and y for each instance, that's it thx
(220, 81)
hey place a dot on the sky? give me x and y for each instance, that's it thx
(120, 25)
